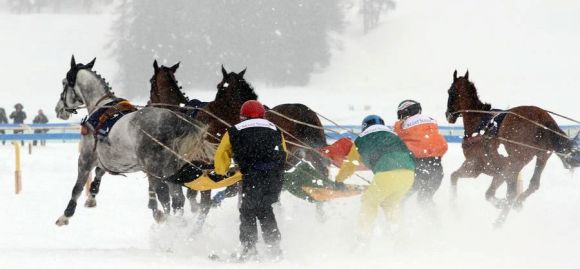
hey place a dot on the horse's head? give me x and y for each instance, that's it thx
(234, 89)
(462, 96)
(164, 86)
(71, 98)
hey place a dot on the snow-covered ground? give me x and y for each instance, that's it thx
(120, 232)
(518, 52)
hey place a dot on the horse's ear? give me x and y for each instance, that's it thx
(91, 64)
(455, 76)
(174, 67)
(224, 72)
(155, 66)
(243, 72)
(466, 75)
(72, 61)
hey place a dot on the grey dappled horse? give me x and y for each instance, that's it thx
(152, 140)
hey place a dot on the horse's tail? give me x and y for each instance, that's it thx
(192, 144)
(566, 148)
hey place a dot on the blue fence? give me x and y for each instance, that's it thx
(71, 132)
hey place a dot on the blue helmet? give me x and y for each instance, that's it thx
(371, 120)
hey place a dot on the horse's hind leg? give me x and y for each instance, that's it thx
(94, 189)
(541, 161)
(86, 163)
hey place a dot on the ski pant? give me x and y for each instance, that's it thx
(385, 191)
(249, 229)
(428, 177)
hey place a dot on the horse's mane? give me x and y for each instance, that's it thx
(475, 95)
(102, 80)
(247, 91)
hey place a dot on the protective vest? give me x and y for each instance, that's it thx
(381, 150)
(257, 146)
(421, 135)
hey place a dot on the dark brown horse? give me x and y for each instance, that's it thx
(525, 132)
(165, 92)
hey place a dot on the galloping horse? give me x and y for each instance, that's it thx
(232, 92)
(525, 132)
(152, 140)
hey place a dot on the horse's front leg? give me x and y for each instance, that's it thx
(205, 203)
(191, 197)
(94, 189)
(466, 170)
(158, 190)
(86, 163)
(177, 198)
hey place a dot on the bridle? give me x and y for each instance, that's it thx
(453, 95)
(174, 87)
(70, 86)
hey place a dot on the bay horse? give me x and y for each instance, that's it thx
(152, 140)
(525, 132)
(166, 93)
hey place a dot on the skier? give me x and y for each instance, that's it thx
(421, 135)
(387, 156)
(259, 149)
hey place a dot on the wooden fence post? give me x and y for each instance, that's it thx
(17, 173)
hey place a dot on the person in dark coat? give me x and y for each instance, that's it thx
(18, 116)
(3, 120)
(40, 119)
(258, 148)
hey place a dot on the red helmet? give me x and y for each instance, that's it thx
(252, 109)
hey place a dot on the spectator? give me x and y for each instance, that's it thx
(40, 119)
(18, 116)
(3, 120)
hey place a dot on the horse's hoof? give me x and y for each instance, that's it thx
(518, 205)
(499, 203)
(91, 202)
(63, 220)
(178, 212)
(498, 224)
(194, 207)
(320, 214)
(159, 216)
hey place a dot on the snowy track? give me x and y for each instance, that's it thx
(120, 231)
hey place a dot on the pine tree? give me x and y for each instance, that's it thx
(280, 41)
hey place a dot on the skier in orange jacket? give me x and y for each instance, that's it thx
(421, 135)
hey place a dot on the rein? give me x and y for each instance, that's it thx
(522, 117)
(515, 114)
(300, 144)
